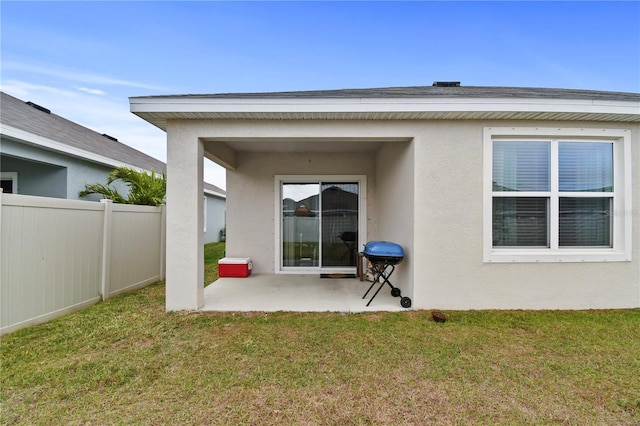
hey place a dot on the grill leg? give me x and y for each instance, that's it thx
(376, 277)
(370, 287)
(380, 272)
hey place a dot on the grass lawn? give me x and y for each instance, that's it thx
(125, 361)
(212, 252)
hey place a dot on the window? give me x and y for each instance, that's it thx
(9, 181)
(557, 195)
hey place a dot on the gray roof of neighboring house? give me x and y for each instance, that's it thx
(19, 114)
(212, 189)
(430, 92)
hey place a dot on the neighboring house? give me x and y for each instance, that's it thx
(215, 211)
(45, 155)
(509, 198)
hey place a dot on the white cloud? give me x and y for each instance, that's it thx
(22, 89)
(91, 91)
(75, 75)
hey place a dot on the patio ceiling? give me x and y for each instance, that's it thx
(303, 144)
(223, 151)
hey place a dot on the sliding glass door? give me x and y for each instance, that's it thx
(300, 224)
(319, 224)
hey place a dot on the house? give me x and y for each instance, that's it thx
(505, 198)
(43, 154)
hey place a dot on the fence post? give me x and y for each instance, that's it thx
(163, 239)
(106, 248)
(1, 191)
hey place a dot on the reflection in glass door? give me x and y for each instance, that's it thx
(300, 224)
(339, 223)
(320, 224)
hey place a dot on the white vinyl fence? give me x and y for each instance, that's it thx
(58, 256)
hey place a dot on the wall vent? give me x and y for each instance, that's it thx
(110, 137)
(446, 83)
(38, 107)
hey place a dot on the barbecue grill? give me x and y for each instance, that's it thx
(384, 256)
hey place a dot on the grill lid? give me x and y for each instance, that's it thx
(383, 249)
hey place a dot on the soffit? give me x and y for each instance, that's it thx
(160, 119)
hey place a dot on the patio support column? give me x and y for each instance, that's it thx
(185, 221)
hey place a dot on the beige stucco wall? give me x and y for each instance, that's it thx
(396, 208)
(185, 218)
(450, 273)
(424, 191)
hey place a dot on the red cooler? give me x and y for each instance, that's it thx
(234, 267)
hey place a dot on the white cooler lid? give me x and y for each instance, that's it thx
(235, 260)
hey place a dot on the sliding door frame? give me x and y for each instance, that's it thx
(279, 180)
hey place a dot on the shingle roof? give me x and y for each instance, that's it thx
(18, 114)
(429, 92)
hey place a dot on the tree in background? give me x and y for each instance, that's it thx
(144, 188)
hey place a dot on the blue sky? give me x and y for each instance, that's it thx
(83, 60)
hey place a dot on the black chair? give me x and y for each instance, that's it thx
(350, 239)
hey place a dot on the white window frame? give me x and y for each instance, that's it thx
(622, 227)
(12, 176)
(362, 218)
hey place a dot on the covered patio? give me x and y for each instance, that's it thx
(298, 293)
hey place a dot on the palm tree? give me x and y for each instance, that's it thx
(144, 188)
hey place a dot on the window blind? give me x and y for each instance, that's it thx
(521, 166)
(585, 166)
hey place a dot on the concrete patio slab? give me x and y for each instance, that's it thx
(297, 293)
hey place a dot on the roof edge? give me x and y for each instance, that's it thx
(417, 91)
(173, 104)
(53, 145)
